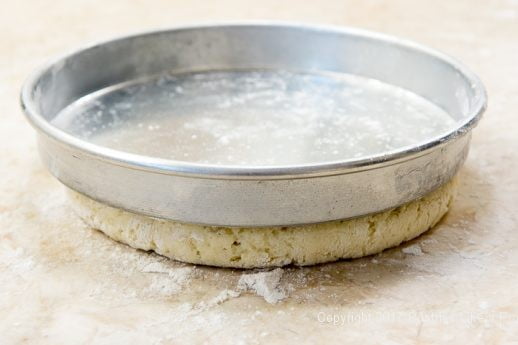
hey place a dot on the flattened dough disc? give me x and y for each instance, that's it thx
(267, 247)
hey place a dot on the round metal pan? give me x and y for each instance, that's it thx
(254, 196)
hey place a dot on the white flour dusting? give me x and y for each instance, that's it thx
(16, 260)
(414, 249)
(259, 117)
(168, 281)
(223, 296)
(265, 284)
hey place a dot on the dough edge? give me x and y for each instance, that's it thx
(268, 247)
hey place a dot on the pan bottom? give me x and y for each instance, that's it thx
(255, 117)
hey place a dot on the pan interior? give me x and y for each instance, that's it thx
(255, 117)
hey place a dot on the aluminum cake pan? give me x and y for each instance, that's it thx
(254, 196)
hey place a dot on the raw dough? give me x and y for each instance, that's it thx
(266, 247)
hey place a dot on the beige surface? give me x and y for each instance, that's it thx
(61, 283)
(268, 247)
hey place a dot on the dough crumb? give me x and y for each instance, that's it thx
(414, 249)
(265, 284)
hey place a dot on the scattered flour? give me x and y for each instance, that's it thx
(180, 274)
(414, 249)
(265, 284)
(16, 260)
(223, 296)
(169, 280)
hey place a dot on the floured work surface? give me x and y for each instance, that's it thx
(62, 283)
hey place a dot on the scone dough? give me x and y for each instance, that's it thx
(266, 247)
